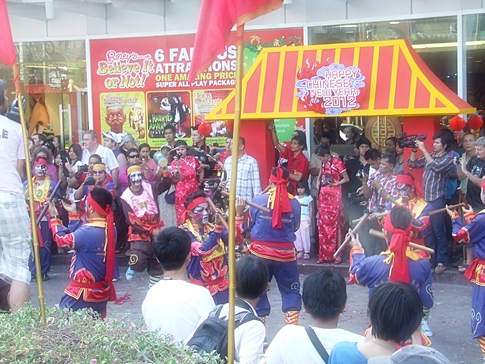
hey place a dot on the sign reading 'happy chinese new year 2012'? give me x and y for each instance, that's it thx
(331, 89)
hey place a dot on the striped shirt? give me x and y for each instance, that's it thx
(434, 175)
(377, 203)
(248, 183)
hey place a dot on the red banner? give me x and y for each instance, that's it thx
(141, 84)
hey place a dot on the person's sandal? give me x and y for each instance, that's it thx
(463, 268)
(338, 260)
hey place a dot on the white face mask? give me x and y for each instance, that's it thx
(136, 178)
(40, 170)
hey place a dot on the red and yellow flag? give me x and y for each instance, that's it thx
(217, 17)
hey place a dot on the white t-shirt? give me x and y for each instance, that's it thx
(106, 155)
(175, 307)
(292, 345)
(305, 210)
(11, 150)
(248, 337)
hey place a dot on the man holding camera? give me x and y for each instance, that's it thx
(474, 170)
(436, 166)
(98, 179)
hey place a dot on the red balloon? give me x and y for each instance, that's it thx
(475, 122)
(204, 129)
(230, 125)
(457, 123)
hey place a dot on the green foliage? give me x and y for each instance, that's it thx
(81, 337)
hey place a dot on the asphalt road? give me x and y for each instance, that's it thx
(450, 317)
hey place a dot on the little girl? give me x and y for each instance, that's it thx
(302, 242)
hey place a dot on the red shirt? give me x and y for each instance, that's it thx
(298, 163)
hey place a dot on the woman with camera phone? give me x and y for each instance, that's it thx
(146, 161)
(330, 218)
(185, 170)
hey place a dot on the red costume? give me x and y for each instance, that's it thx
(186, 185)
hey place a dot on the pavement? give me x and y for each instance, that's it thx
(449, 319)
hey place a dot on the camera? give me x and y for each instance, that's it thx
(326, 181)
(90, 181)
(83, 168)
(409, 141)
(361, 173)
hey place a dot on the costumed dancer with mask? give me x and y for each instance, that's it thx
(140, 206)
(397, 264)
(208, 262)
(43, 187)
(93, 262)
(473, 233)
(273, 236)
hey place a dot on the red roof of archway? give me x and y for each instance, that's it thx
(397, 82)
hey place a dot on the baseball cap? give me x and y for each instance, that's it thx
(127, 138)
(111, 135)
(412, 354)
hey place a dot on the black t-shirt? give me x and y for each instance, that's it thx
(353, 166)
(476, 167)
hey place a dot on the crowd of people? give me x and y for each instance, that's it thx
(114, 198)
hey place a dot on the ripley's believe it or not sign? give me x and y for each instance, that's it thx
(330, 89)
(141, 84)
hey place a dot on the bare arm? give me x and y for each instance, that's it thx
(275, 140)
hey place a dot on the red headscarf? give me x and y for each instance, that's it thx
(40, 161)
(193, 204)
(279, 197)
(406, 179)
(110, 249)
(400, 238)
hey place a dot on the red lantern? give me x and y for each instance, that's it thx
(230, 125)
(457, 123)
(204, 129)
(475, 122)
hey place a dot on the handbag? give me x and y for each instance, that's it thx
(317, 344)
(170, 196)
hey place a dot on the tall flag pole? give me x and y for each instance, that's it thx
(215, 23)
(8, 55)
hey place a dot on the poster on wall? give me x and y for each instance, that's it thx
(140, 85)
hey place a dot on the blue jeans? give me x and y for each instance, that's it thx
(438, 240)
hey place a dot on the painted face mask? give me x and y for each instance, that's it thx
(40, 170)
(404, 190)
(136, 178)
(201, 213)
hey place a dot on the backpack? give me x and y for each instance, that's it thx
(212, 333)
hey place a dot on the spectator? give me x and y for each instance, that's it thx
(173, 306)
(98, 179)
(412, 354)
(15, 236)
(147, 163)
(315, 165)
(202, 152)
(351, 133)
(111, 141)
(75, 156)
(380, 188)
(324, 298)
(298, 165)
(185, 170)
(436, 166)
(474, 170)
(391, 144)
(91, 146)
(56, 141)
(251, 282)
(169, 134)
(44, 152)
(85, 171)
(330, 215)
(31, 145)
(302, 242)
(127, 142)
(39, 139)
(300, 134)
(395, 311)
(399, 167)
(248, 182)
(457, 143)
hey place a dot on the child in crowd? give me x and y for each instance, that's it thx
(302, 242)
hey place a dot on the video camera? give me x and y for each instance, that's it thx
(409, 141)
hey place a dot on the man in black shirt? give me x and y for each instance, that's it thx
(475, 171)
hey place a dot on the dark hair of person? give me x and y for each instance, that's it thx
(143, 145)
(391, 158)
(322, 149)
(41, 137)
(469, 133)
(77, 150)
(393, 139)
(242, 141)
(48, 144)
(102, 196)
(324, 294)
(251, 277)
(97, 157)
(300, 137)
(179, 143)
(329, 136)
(395, 311)
(362, 140)
(400, 217)
(286, 174)
(171, 247)
(45, 150)
(192, 196)
(303, 183)
(169, 127)
(445, 137)
(372, 154)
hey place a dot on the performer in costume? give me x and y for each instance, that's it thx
(140, 206)
(397, 264)
(473, 233)
(411, 197)
(330, 213)
(93, 262)
(273, 237)
(208, 262)
(43, 187)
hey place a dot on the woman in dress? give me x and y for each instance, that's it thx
(330, 215)
(185, 170)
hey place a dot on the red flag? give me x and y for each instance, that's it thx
(215, 23)
(7, 49)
